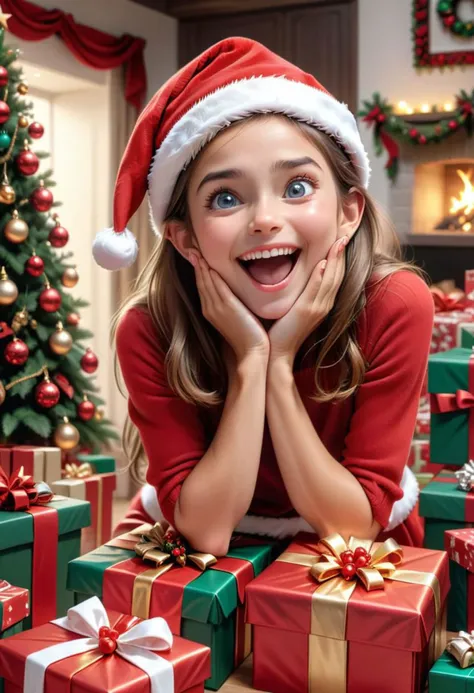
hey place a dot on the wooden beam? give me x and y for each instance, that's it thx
(188, 9)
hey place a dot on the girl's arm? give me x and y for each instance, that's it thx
(356, 495)
(218, 491)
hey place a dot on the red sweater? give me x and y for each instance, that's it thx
(370, 432)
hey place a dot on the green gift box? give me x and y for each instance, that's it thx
(32, 543)
(467, 336)
(451, 386)
(446, 676)
(101, 464)
(444, 506)
(206, 607)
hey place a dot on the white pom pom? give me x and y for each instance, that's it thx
(114, 251)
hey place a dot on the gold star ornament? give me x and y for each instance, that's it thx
(4, 19)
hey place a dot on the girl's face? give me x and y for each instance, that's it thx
(263, 187)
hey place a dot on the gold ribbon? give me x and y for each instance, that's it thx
(327, 639)
(462, 648)
(150, 548)
(77, 471)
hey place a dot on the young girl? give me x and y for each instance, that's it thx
(275, 345)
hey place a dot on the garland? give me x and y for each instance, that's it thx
(447, 11)
(421, 38)
(389, 127)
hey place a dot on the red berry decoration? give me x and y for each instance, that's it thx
(176, 552)
(35, 130)
(41, 198)
(182, 550)
(3, 76)
(34, 266)
(16, 353)
(58, 236)
(453, 124)
(85, 410)
(362, 561)
(348, 571)
(27, 162)
(47, 394)
(107, 645)
(89, 362)
(413, 133)
(360, 551)
(50, 300)
(347, 557)
(4, 112)
(422, 139)
(104, 632)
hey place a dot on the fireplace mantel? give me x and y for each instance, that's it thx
(451, 240)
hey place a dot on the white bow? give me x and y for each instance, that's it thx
(135, 645)
(465, 476)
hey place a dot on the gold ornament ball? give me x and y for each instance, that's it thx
(8, 289)
(66, 436)
(22, 88)
(99, 414)
(33, 324)
(16, 230)
(7, 194)
(60, 341)
(3, 394)
(70, 278)
(23, 121)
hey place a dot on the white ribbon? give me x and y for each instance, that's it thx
(4, 585)
(135, 645)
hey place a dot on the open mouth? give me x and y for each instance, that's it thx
(271, 270)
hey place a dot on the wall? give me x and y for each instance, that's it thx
(385, 65)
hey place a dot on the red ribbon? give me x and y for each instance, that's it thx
(392, 148)
(458, 401)
(455, 300)
(20, 491)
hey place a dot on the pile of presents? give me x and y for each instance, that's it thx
(143, 612)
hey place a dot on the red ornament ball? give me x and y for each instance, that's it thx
(413, 132)
(73, 319)
(35, 130)
(3, 76)
(58, 236)
(360, 551)
(381, 118)
(47, 394)
(4, 112)
(362, 561)
(85, 410)
(27, 163)
(347, 557)
(422, 139)
(348, 571)
(50, 300)
(16, 353)
(89, 362)
(449, 20)
(41, 199)
(34, 266)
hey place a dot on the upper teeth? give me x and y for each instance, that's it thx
(259, 254)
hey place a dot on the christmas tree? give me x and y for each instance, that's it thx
(47, 394)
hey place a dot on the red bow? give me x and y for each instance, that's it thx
(20, 491)
(454, 300)
(444, 403)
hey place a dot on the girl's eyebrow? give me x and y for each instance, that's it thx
(276, 166)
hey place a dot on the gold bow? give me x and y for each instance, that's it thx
(462, 648)
(382, 563)
(154, 542)
(77, 471)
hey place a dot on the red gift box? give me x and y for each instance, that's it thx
(133, 655)
(14, 604)
(447, 329)
(339, 636)
(423, 417)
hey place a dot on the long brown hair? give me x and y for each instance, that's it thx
(195, 369)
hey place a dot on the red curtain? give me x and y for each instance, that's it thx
(90, 46)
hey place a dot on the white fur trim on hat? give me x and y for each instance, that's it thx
(113, 251)
(281, 527)
(238, 100)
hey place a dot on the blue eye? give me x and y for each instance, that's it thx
(222, 200)
(299, 188)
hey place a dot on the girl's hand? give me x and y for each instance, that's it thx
(221, 307)
(289, 332)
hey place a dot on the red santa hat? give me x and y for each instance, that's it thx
(233, 79)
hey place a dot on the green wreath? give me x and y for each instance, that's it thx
(447, 10)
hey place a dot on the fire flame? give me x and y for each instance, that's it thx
(464, 204)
